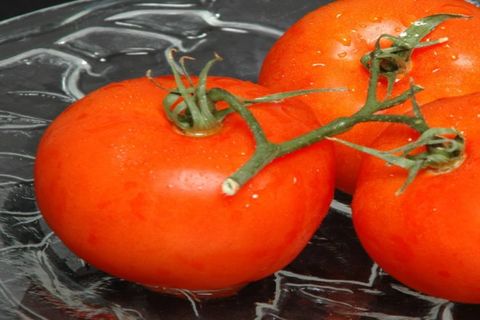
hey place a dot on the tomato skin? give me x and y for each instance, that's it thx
(324, 48)
(429, 236)
(132, 196)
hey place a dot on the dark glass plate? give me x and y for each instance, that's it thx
(52, 57)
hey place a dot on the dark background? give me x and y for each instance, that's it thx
(13, 8)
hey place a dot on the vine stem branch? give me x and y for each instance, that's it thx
(266, 151)
(381, 62)
(193, 109)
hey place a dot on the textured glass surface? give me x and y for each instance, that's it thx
(53, 57)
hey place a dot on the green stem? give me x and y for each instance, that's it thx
(266, 151)
(289, 94)
(371, 103)
(391, 102)
(199, 106)
(218, 94)
(197, 118)
(205, 106)
(412, 122)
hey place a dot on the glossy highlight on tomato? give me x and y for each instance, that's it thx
(428, 237)
(324, 49)
(136, 198)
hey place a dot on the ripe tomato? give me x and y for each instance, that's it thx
(324, 49)
(132, 196)
(429, 236)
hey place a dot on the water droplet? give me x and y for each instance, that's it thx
(454, 57)
(338, 15)
(342, 54)
(419, 23)
(255, 196)
(435, 70)
(295, 180)
(247, 205)
(344, 40)
(376, 19)
(319, 64)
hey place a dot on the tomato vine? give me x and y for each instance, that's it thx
(193, 110)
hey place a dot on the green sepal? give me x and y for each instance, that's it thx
(440, 152)
(394, 60)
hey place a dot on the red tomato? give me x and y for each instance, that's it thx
(134, 197)
(324, 48)
(429, 236)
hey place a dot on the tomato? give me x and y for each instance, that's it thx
(428, 237)
(136, 198)
(324, 49)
